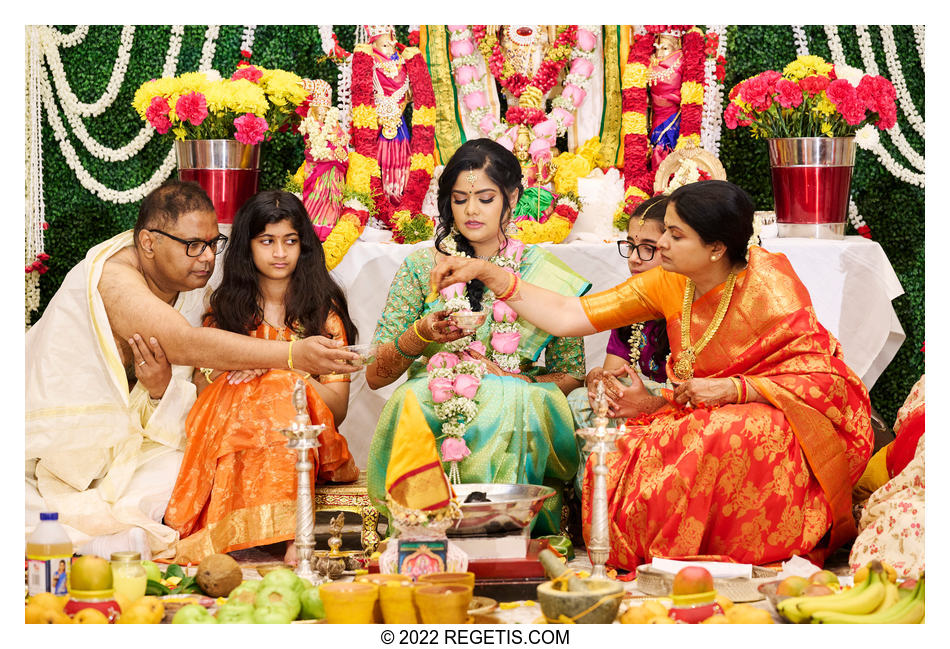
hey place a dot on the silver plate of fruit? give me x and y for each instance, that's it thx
(494, 509)
(468, 320)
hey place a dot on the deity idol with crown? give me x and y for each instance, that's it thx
(391, 93)
(325, 163)
(664, 81)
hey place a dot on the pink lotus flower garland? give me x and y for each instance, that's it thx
(454, 375)
(545, 127)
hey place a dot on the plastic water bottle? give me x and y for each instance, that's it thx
(49, 553)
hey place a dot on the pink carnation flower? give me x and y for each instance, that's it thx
(250, 128)
(789, 93)
(441, 389)
(248, 72)
(442, 359)
(505, 342)
(192, 108)
(454, 449)
(465, 385)
(157, 115)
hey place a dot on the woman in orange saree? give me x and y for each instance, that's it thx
(237, 486)
(766, 430)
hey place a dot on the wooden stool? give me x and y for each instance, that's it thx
(351, 497)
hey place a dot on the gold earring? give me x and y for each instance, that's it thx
(714, 258)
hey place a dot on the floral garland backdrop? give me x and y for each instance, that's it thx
(93, 56)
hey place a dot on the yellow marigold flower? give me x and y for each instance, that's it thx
(192, 82)
(826, 128)
(351, 218)
(825, 106)
(634, 76)
(424, 116)
(401, 217)
(635, 191)
(805, 66)
(421, 161)
(570, 168)
(282, 87)
(691, 93)
(688, 140)
(590, 149)
(360, 170)
(364, 117)
(342, 236)
(633, 124)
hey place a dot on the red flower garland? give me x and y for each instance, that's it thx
(694, 56)
(365, 139)
(636, 147)
(546, 75)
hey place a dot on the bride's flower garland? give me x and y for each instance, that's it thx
(405, 220)
(546, 127)
(454, 376)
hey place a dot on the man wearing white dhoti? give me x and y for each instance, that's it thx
(105, 411)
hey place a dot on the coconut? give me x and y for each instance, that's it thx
(218, 575)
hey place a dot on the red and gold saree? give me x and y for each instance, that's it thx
(237, 486)
(752, 483)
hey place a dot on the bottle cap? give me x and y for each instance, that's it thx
(49, 516)
(126, 556)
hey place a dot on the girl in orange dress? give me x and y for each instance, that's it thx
(237, 486)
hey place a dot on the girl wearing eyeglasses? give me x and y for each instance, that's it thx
(634, 369)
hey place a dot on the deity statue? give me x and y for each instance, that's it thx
(391, 93)
(665, 78)
(524, 46)
(325, 161)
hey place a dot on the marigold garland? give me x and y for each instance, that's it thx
(691, 89)
(364, 173)
(554, 225)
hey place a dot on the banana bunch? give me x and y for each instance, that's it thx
(875, 600)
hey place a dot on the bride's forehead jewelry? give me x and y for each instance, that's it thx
(471, 178)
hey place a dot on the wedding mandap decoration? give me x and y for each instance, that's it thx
(218, 124)
(390, 162)
(810, 114)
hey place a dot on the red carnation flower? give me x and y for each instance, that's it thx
(249, 72)
(814, 84)
(192, 108)
(45, 225)
(789, 94)
(250, 128)
(42, 256)
(246, 53)
(757, 93)
(712, 44)
(157, 115)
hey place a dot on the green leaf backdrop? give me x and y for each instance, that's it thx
(78, 219)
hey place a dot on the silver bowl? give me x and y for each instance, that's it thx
(510, 508)
(468, 321)
(367, 352)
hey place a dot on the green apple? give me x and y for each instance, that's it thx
(279, 595)
(284, 577)
(236, 613)
(193, 614)
(311, 606)
(246, 592)
(152, 571)
(272, 614)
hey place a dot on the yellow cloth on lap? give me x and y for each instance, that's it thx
(414, 476)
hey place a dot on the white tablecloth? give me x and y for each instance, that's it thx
(851, 284)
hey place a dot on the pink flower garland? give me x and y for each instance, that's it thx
(545, 126)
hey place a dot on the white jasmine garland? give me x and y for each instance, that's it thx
(919, 38)
(247, 38)
(834, 43)
(897, 78)
(72, 39)
(801, 40)
(207, 50)
(35, 206)
(711, 130)
(856, 220)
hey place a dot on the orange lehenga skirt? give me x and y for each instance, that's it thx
(237, 486)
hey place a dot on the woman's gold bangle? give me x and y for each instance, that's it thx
(421, 337)
(207, 372)
(290, 354)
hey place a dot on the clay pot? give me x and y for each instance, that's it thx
(347, 602)
(443, 604)
(380, 579)
(397, 601)
(443, 578)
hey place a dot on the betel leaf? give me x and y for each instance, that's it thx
(174, 570)
(155, 588)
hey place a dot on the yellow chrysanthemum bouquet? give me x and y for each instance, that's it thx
(251, 105)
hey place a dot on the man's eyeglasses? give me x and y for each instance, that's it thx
(645, 251)
(196, 247)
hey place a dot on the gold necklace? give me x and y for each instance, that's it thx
(683, 368)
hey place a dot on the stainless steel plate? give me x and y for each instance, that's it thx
(510, 508)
